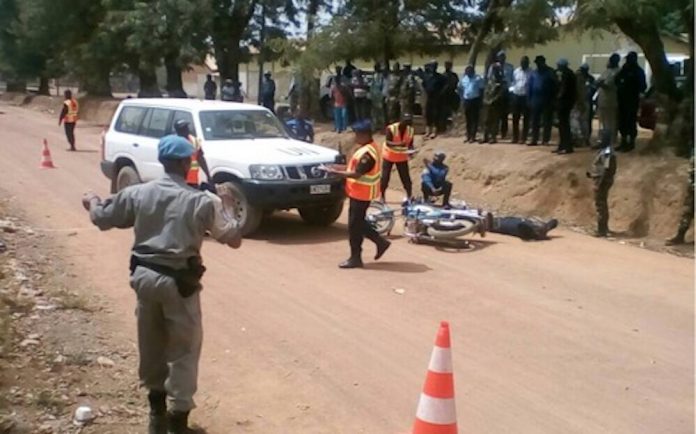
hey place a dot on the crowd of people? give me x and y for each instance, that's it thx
(537, 97)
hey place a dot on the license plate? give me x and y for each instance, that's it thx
(320, 189)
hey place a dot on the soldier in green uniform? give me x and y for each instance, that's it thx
(602, 173)
(377, 98)
(393, 89)
(407, 90)
(688, 209)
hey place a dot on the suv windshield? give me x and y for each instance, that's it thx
(240, 124)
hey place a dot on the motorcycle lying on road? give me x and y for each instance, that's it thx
(428, 223)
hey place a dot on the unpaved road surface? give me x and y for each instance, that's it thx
(572, 335)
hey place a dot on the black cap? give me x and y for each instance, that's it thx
(540, 59)
(181, 126)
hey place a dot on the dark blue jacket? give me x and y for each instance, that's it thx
(541, 87)
(434, 176)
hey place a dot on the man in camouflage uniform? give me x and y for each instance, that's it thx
(407, 90)
(393, 90)
(688, 209)
(377, 99)
(602, 173)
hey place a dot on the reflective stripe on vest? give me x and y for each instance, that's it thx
(365, 188)
(71, 115)
(192, 176)
(398, 153)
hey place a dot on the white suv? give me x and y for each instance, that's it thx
(244, 144)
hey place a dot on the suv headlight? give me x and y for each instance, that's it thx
(262, 171)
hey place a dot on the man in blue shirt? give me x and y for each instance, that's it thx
(434, 179)
(471, 92)
(300, 127)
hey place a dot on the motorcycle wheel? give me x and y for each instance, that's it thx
(381, 217)
(448, 229)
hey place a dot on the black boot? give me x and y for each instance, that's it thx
(158, 412)
(177, 422)
(382, 248)
(677, 239)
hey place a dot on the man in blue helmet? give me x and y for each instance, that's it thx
(169, 219)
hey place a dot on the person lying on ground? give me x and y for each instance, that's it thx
(528, 229)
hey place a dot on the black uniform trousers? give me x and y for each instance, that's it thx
(446, 192)
(404, 174)
(541, 115)
(520, 110)
(70, 133)
(472, 111)
(566, 139)
(359, 228)
(628, 121)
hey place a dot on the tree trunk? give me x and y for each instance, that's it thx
(262, 38)
(307, 102)
(175, 85)
(486, 26)
(148, 83)
(97, 84)
(43, 86)
(229, 24)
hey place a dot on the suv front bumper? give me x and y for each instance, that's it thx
(291, 194)
(107, 168)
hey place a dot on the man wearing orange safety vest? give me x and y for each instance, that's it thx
(397, 149)
(68, 117)
(197, 159)
(362, 186)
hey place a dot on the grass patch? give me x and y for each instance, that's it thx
(46, 400)
(69, 300)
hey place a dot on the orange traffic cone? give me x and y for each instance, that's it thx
(437, 413)
(46, 161)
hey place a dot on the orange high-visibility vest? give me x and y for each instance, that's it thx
(365, 188)
(398, 153)
(71, 115)
(192, 176)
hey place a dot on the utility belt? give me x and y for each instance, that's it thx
(188, 280)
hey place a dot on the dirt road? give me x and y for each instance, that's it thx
(573, 335)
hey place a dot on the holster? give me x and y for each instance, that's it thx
(188, 280)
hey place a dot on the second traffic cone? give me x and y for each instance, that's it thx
(437, 413)
(46, 160)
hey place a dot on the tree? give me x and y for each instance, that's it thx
(523, 23)
(642, 21)
(236, 25)
(28, 37)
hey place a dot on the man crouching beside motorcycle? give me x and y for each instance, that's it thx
(434, 179)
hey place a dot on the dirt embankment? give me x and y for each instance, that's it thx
(94, 110)
(645, 202)
(57, 351)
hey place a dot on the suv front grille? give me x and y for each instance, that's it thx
(310, 171)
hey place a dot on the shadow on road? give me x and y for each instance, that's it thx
(398, 267)
(288, 229)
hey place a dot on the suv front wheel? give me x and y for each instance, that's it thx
(322, 215)
(127, 176)
(248, 216)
